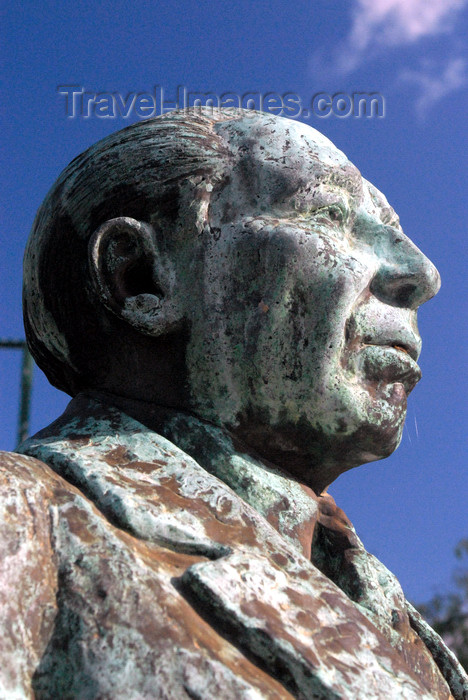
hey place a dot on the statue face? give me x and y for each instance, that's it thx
(304, 337)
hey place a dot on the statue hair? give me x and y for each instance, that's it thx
(147, 171)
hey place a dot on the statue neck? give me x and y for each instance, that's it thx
(288, 505)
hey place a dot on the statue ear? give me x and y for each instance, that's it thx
(129, 277)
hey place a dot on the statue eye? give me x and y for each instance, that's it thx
(331, 213)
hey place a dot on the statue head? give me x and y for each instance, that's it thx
(238, 267)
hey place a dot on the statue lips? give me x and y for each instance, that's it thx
(389, 363)
(388, 356)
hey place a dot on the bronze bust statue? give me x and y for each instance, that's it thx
(232, 308)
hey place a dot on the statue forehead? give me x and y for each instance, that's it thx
(268, 133)
(277, 158)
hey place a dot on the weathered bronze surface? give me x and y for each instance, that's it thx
(233, 308)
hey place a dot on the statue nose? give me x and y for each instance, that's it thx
(406, 277)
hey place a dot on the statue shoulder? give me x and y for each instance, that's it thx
(26, 485)
(18, 471)
(28, 572)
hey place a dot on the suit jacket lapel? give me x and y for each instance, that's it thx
(295, 623)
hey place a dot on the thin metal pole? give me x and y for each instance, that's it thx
(27, 366)
(10, 344)
(25, 401)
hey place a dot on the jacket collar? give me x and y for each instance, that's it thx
(289, 506)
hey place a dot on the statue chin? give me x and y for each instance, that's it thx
(315, 456)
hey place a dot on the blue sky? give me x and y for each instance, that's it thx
(410, 510)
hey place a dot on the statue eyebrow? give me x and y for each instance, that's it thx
(344, 184)
(388, 215)
(390, 218)
(348, 178)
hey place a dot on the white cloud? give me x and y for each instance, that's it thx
(377, 24)
(435, 83)
(402, 21)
